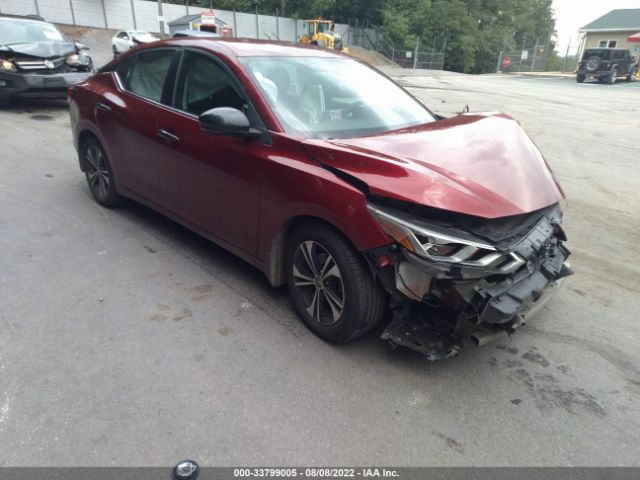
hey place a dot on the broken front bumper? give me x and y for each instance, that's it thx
(438, 308)
(53, 85)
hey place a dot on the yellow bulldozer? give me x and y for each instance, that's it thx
(321, 33)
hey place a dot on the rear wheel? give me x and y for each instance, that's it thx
(580, 78)
(331, 286)
(99, 174)
(5, 102)
(632, 76)
(115, 51)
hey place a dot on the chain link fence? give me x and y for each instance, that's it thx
(373, 38)
(532, 59)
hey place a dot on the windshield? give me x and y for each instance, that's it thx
(602, 53)
(13, 32)
(332, 97)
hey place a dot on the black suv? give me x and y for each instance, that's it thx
(37, 60)
(607, 64)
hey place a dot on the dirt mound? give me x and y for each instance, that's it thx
(371, 57)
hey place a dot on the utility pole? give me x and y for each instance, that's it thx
(257, 23)
(502, 52)
(566, 55)
(161, 18)
(235, 23)
(415, 56)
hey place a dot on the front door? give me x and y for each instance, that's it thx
(211, 181)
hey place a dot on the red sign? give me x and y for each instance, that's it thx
(506, 62)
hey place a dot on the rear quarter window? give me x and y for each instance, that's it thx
(602, 53)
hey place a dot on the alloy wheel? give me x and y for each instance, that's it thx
(318, 280)
(97, 172)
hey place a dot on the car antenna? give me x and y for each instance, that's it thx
(465, 109)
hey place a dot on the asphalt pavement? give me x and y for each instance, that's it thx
(127, 340)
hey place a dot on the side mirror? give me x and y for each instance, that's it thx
(81, 46)
(227, 121)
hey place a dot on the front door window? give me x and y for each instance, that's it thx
(205, 85)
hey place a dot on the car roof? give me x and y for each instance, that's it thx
(242, 47)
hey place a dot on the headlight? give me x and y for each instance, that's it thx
(8, 66)
(440, 247)
(78, 60)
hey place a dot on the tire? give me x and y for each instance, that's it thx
(632, 76)
(347, 281)
(99, 174)
(593, 63)
(115, 51)
(611, 79)
(580, 78)
(5, 102)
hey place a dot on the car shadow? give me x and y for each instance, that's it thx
(36, 105)
(242, 277)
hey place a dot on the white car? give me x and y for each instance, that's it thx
(123, 41)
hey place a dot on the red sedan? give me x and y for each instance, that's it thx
(331, 178)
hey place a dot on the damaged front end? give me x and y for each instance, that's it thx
(456, 278)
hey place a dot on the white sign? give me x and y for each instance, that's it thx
(408, 54)
(208, 18)
(525, 54)
(160, 19)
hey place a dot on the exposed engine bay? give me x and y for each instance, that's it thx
(456, 278)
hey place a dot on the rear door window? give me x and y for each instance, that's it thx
(145, 73)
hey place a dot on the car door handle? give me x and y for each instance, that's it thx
(103, 106)
(168, 136)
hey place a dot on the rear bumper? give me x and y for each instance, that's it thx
(599, 73)
(36, 85)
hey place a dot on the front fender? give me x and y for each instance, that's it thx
(295, 187)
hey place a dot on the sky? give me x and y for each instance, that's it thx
(573, 14)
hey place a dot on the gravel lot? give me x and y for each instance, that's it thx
(127, 340)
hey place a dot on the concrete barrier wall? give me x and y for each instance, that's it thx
(143, 15)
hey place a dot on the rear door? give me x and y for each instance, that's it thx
(212, 181)
(127, 120)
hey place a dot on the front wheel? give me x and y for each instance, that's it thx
(115, 51)
(331, 286)
(613, 77)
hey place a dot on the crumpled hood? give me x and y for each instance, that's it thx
(477, 164)
(43, 49)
